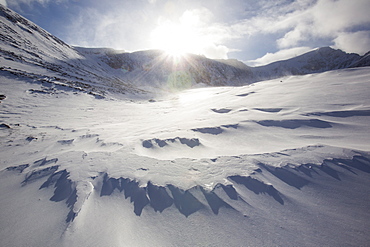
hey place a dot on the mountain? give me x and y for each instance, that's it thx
(25, 45)
(100, 148)
(155, 68)
(98, 70)
(316, 61)
(362, 62)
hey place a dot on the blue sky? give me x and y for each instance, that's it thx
(255, 32)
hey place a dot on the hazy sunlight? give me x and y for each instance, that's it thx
(178, 38)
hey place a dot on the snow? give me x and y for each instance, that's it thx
(91, 155)
(246, 132)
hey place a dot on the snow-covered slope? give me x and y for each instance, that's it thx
(362, 62)
(29, 51)
(284, 162)
(274, 163)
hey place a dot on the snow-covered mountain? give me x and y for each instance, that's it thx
(155, 68)
(316, 61)
(362, 62)
(100, 69)
(284, 162)
(27, 45)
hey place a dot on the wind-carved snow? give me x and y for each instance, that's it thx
(176, 155)
(161, 197)
(160, 153)
(161, 143)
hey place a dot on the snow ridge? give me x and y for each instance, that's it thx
(188, 201)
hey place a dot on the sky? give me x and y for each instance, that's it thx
(256, 32)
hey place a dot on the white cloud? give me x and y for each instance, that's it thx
(193, 32)
(16, 3)
(214, 51)
(274, 18)
(3, 2)
(330, 16)
(111, 29)
(294, 37)
(326, 19)
(280, 55)
(197, 17)
(357, 42)
(305, 23)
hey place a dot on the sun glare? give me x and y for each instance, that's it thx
(177, 39)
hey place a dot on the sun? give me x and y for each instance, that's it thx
(177, 39)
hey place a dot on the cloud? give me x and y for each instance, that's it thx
(280, 55)
(274, 18)
(3, 2)
(357, 42)
(214, 51)
(330, 17)
(115, 28)
(294, 37)
(281, 25)
(193, 32)
(323, 19)
(17, 3)
(196, 17)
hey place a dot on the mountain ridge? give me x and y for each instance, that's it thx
(98, 70)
